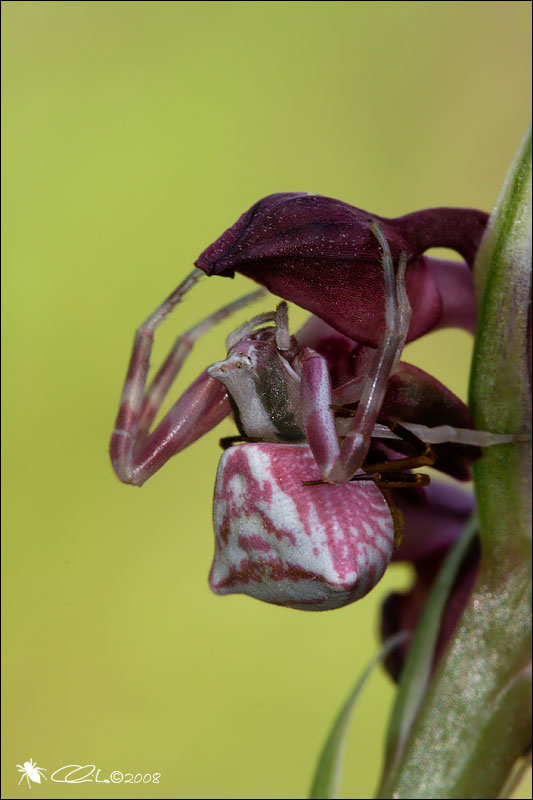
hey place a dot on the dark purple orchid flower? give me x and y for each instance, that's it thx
(321, 254)
(434, 518)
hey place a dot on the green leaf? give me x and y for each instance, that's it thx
(475, 719)
(329, 768)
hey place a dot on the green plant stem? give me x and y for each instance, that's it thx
(475, 721)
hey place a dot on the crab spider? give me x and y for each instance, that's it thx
(298, 521)
(282, 392)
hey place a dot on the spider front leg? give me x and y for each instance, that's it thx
(397, 318)
(135, 455)
(339, 463)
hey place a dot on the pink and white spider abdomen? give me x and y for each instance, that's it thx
(309, 547)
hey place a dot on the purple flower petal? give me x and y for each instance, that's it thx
(415, 396)
(433, 521)
(456, 288)
(321, 254)
(431, 526)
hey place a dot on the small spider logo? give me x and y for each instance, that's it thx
(31, 771)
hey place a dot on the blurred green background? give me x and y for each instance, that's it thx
(134, 134)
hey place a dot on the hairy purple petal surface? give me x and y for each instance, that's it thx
(321, 254)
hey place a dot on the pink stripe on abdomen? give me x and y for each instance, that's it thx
(310, 547)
